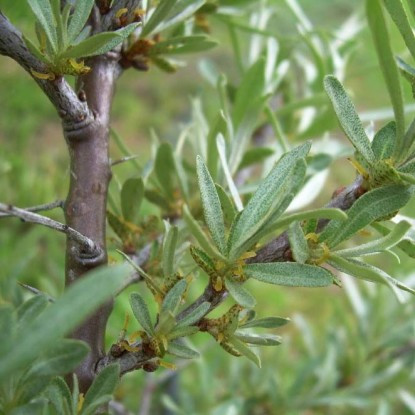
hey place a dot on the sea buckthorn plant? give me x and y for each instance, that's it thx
(224, 203)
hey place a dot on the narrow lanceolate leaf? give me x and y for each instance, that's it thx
(66, 313)
(221, 146)
(377, 24)
(348, 118)
(323, 213)
(266, 323)
(372, 206)
(240, 294)
(211, 206)
(228, 207)
(378, 245)
(183, 45)
(244, 350)
(298, 243)
(103, 385)
(157, 17)
(196, 230)
(132, 194)
(79, 18)
(290, 274)
(43, 11)
(174, 297)
(182, 10)
(363, 271)
(259, 339)
(141, 313)
(169, 248)
(99, 44)
(165, 170)
(398, 14)
(384, 141)
(195, 315)
(63, 357)
(183, 331)
(261, 206)
(180, 350)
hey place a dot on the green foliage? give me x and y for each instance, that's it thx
(249, 187)
(60, 37)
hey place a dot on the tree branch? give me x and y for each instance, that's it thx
(87, 245)
(278, 250)
(39, 208)
(73, 112)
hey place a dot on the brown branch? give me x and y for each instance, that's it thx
(274, 251)
(73, 112)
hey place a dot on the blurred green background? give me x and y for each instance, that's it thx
(348, 351)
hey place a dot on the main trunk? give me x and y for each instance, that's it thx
(85, 207)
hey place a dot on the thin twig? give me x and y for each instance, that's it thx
(87, 244)
(36, 291)
(39, 208)
(124, 159)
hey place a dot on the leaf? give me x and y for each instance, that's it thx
(378, 245)
(31, 308)
(179, 13)
(44, 15)
(285, 196)
(60, 30)
(372, 206)
(196, 230)
(251, 87)
(157, 199)
(103, 385)
(227, 205)
(59, 395)
(7, 321)
(398, 14)
(174, 297)
(261, 206)
(290, 274)
(220, 144)
(165, 324)
(141, 312)
(169, 248)
(244, 350)
(182, 351)
(239, 293)
(384, 141)
(79, 18)
(211, 206)
(182, 332)
(255, 155)
(259, 339)
(99, 44)
(266, 323)
(60, 359)
(377, 25)
(165, 169)
(368, 272)
(348, 118)
(298, 243)
(157, 17)
(79, 301)
(195, 315)
(182, 45)
(219, 125)
(321, 213)
(34, 50)
(132, 194)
